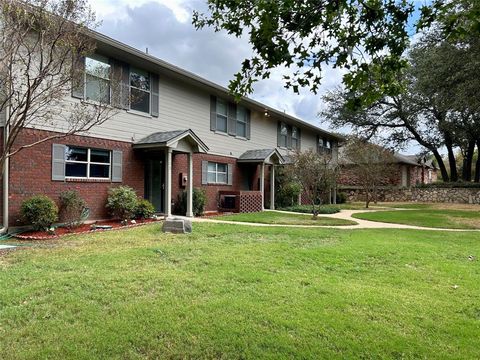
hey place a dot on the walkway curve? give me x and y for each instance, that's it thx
(344, 215)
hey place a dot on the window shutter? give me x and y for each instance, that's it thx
(155, 95)
(78, 77)
(58, 162)
(213, 113)
(248, 123)
(116, 83)
(299, 139)
(204, 172)
(232, 119)
(117, 166)
(279, 130)
(230, 174)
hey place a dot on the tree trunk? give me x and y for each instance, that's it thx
(441, 165)
(477, 164)
(367, 198)
(468, 161)
(451, 159)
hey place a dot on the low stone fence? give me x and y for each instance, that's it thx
(418, 194)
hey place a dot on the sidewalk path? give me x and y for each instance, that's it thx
(343, 214)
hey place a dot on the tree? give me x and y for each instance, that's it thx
(366, 38)
(438, 107)
(41, 42)
(316, 173)
(372, 165)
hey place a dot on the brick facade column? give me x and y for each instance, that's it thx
(190, 186)
(168, 183)
(262, 184)
(272, 188)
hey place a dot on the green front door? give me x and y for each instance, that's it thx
(155, 183)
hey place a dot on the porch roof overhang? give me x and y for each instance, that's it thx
(180, 140)
(261, 156)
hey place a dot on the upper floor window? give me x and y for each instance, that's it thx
(87, 163)
(241, 121)
(324, 144)
(295, 138)
(283, 136)
(217, 173)
(97, 79)
(222, 116)
(139, 90)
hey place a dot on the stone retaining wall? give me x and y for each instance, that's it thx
(440, 195)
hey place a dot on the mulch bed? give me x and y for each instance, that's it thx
(82, 229)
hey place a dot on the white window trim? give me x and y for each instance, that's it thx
(85, 82)
(130, 86)
(216, 172)
(242, 121)
(88, 163)
(284, 146)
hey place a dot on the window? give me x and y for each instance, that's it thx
(241, 121)
(140, 90)
(283, 141)
(324, 145)
(222, 115)
(97, 79)
(295, 138)
(217, 173)
(87, 163)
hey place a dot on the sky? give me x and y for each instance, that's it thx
(165, 28)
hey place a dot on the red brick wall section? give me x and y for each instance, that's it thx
(31, 171)
(180, 165)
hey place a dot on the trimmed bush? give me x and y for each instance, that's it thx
(122, 202)
(39, 211)
(307, 209)
(71, 208)
(199, 201)
(145, 209)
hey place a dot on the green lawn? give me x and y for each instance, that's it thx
(270, 217)
(229, 292)
(453, 219)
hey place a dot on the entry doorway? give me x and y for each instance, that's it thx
(155, 183)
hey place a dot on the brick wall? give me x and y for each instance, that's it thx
(31, 172)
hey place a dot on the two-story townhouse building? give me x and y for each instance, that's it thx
(180, 132)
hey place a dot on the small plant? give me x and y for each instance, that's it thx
(341, 197)
(40, 211)
(145, 209)
(71, 208)
(122, 202)
(199, 201)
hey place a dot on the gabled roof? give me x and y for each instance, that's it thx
(130, 53)
(260, 155)
(168, 138)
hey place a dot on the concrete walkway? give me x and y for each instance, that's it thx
(343, 214)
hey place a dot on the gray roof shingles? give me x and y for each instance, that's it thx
(160, 137)
(260, 154)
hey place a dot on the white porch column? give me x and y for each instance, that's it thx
(272, 188)
(262, 185)
(168, 183)
(190, 186)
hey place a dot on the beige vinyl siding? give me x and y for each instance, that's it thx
(187, 107)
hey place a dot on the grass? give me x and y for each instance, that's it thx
(446, 219)
(229, 291)
(307, 209)
(272, 217)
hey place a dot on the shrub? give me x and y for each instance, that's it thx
(341, 197)
(71, 208)
(199, 201)
(307, 209)
(40, 211)
(286, 190)
(144, 210)
(122, 202)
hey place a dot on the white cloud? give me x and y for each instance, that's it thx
(164, 26)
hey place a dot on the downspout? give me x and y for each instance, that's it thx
(5, 176)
